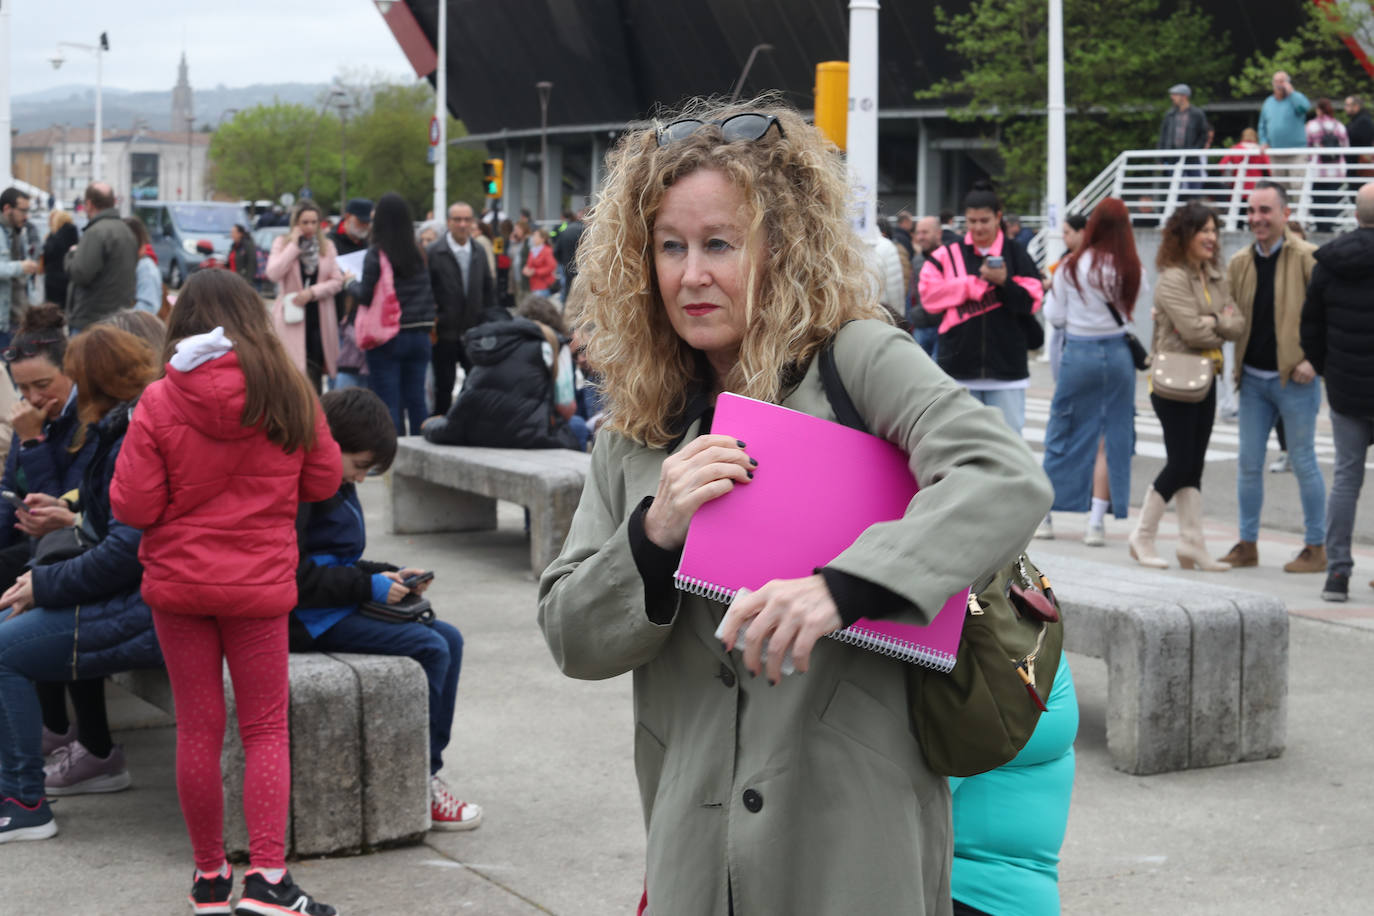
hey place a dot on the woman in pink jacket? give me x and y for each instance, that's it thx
(303, 266)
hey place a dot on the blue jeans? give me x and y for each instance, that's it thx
(1011, 401)
(35, 646)
(1263, 401)
(397, 374)
(581, 430)
(1095, 398)
(1353, 436)
(347, 379)
(438, 648)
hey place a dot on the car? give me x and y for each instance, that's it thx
(262, 241)
(189, 235)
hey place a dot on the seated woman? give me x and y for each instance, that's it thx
(720, 257)
(79, 617)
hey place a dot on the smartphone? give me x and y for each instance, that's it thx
(995, 262)
(14, 499)
(418, 578)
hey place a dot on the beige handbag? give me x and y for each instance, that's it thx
(1184, 377)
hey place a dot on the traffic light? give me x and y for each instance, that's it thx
(832, 100)
(492, 170)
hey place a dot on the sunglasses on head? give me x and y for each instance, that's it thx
(27, 349)
(748, 126)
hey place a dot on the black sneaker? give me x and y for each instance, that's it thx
(266, 899)
(1337, 587)
(25, 822)
(211, 895)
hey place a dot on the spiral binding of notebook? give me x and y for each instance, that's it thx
(895, 647)
(704, 589)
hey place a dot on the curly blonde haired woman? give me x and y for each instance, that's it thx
(720, 258)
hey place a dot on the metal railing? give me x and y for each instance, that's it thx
(1154, 183)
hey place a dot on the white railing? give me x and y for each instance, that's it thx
(1154, 183)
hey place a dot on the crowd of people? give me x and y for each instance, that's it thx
(182, 492)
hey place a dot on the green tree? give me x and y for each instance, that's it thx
(1119, 58)
(1314, 57)
(390, 138)
(261, 153)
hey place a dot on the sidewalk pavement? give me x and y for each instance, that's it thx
(550, 761)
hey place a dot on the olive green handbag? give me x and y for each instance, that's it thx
(979, 715)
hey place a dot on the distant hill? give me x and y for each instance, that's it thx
(74, 105)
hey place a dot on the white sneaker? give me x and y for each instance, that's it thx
(1281, 464)
(1046, 530)
(1096, 535)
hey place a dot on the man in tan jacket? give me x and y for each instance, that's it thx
(1269, 282)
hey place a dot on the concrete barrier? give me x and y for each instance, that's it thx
(455, 488)
(359, 753)
(1197, 673)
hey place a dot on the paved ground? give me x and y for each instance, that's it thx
(550, 761)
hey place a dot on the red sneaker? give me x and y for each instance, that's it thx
(448, 813)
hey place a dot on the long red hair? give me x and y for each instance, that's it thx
(1110, 238)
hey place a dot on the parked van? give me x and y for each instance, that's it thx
(185, 234)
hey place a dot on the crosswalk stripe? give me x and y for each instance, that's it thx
(1223, 446)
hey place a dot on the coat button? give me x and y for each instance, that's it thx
(727, 677)
(753, 801)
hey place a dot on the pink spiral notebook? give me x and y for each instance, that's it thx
(818, 486)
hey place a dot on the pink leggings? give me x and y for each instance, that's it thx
(195, 649)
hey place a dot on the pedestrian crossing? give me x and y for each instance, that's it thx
(1224, 445)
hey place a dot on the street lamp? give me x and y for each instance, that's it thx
(748, 64)
(545, 90)
(310, 141)
(98, 50)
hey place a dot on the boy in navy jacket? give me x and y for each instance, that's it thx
(332, 580)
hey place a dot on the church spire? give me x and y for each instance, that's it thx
(182, 110)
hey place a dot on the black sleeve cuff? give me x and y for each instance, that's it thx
(855, 597)
(656, 567)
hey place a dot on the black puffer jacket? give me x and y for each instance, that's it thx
(507, 396)
(1338, 321)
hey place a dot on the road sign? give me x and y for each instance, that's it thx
(434, 130)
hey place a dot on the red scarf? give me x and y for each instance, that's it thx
(147, 252)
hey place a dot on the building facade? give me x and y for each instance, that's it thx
(139, 164)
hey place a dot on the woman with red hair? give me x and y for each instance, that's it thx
(1091, 302)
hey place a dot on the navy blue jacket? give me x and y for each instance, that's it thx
(47, 467)
(114, 628)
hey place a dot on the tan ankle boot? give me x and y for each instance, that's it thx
(1312, 559)
(1192, 548)
(1244, 553)
(1142, 539)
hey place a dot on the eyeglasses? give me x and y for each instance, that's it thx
(28, 349)
(748, 126)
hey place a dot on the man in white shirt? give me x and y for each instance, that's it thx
(464, 296)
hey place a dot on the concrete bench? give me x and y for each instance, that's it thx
(455, 488)
(1197, 673)
(359, 753)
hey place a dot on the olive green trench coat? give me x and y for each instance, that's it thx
(811, 796)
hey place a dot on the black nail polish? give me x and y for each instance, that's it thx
(772, 683)
(752, 674)
(751, 474)
(754, 461)
(740, 443)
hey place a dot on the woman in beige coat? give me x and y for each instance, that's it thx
(720, 258)
(303, 266)
(1194, 313)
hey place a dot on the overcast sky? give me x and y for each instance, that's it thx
(234, 42)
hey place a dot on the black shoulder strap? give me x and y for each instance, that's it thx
(839, 399)
(1115, 314)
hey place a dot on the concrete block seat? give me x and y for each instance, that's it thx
(1197, 673)
(455, 488)
(359, 753)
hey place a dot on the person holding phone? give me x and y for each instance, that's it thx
(303, 265)
(986, 290)
(333, 579)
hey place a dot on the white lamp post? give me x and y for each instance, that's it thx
(98, 50)
(1056, 167)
